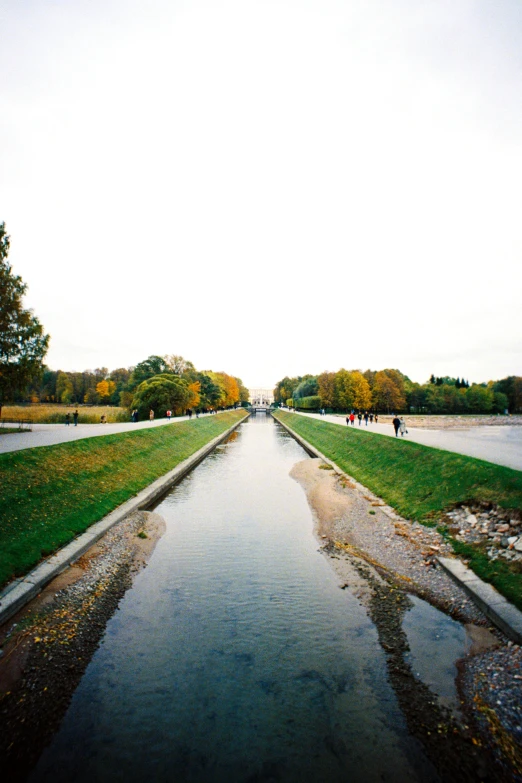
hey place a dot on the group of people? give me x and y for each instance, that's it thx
(74, 418)
(399, 424)
(368, 417)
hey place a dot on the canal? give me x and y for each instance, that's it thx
(235, 656)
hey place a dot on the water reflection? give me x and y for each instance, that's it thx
(436, 643)
(235, 657)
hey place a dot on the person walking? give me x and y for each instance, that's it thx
(67, 419)
(396, 424)
(347, 420)
(359, 416)
(169, 414)
(352, 418)
(366, 417)
(75, 417)
(376, 418)
(403, 429)
(151, 415)
(371, 418)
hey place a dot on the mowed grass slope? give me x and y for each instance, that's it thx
(418, 481)
(51, 494)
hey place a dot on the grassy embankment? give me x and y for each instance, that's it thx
(420, 483)
(51, 494)
(39, 413)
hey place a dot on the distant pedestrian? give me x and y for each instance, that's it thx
(396, 424)
(366, 417)
(190, 413)
(347, 420)
(371, 418)
(134, 415)
(67, 419)
(103, 419)
(151, 415)
(376, 418)
(75, 417)
(352, 418)
(403, 429)
(359, 417)
(169, 414)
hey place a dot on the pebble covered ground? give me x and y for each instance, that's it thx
(443, 422)
(382, 558)
(46, 648)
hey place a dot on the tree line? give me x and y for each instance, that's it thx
(391, 391)
(159, 382)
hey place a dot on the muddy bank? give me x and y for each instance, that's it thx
(46, 648)
(383, 559)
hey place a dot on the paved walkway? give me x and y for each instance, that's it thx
(501, 445)
(50, 434)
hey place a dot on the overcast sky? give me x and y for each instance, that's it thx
(268, 187)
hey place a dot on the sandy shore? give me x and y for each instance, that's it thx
(383, 559)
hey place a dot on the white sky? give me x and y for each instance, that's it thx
(267, 187)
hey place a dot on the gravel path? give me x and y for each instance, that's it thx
(499, 444)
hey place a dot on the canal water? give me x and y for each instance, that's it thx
(235, 656)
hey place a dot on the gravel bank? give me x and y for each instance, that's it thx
(46, 648)
(383, 558)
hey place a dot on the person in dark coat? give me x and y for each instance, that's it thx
(396, 424)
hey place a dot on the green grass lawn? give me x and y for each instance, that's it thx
(420, 483)
(53, 493)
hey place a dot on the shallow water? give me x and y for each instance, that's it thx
(235, 656)
(436, 643)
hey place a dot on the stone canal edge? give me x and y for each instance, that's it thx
(19, 592)
(503, 614)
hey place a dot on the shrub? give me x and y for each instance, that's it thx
(309, 403)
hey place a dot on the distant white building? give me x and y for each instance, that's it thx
(261, 396)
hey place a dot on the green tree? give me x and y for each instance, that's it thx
(308, 387)
(64, 388)
(209, 391)
(23, 343)
(479, 398)
(162, 393)
(154, 365)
